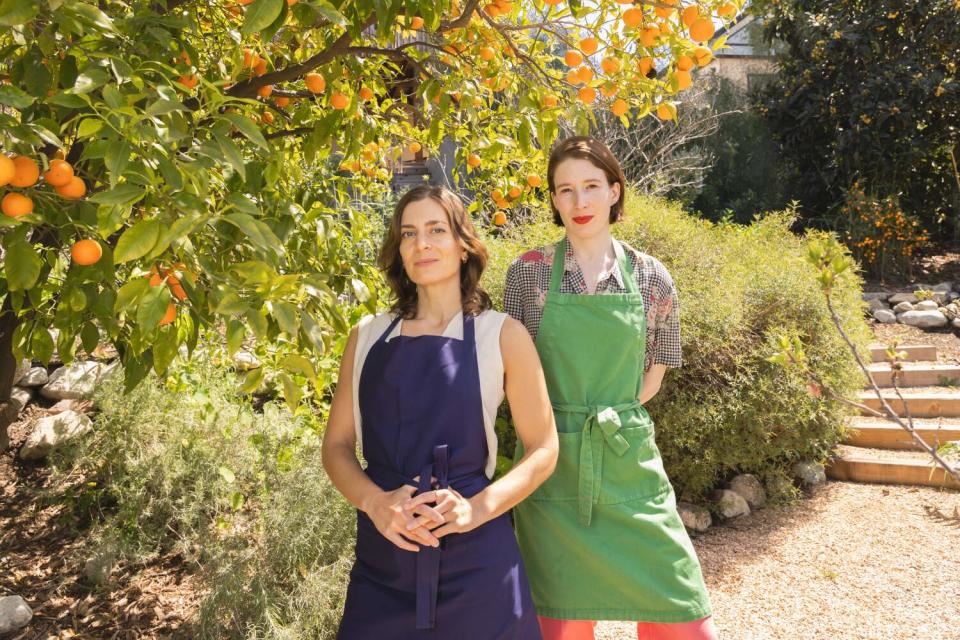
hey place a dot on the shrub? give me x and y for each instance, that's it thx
(727, 410)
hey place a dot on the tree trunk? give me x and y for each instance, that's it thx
(8, 367)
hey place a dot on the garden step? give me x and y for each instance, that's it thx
(883, 434)
(882, 467)
(915, 352)
(916, 374)
(923, 403)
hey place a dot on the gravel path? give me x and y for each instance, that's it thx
(854, 562)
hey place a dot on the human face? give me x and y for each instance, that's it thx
(429, 248)
(583, 197)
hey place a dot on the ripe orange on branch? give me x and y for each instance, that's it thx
(73, 190)
(16, 204)
(86, 252)
(59, 174)
(315, 82)
(7, 170)
(25, 172)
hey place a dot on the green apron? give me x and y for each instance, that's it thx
(601, 538)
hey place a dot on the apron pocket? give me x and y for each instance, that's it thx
(639, 472)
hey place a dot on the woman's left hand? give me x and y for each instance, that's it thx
(459, 514)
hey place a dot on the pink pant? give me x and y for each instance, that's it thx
(702, 629)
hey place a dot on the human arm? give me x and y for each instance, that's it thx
(532, 414)
(664, 348)
(339, 454)
(651, 382)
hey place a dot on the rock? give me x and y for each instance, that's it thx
(885, 316)
(36, 377)
(77, 380)
(695, 517)
(52, 431)
(71, 404)
(923, 319)
(245, 361)
(731, 504)
(926, 305)
(897, 298)
(943, 287)
(875, 295)
(19, 397)
(748, 487)
(14, 614)
(97, 568)
(951, 311)
(22, 367)
(809, 473)
(956, 323)
(903, 307)
(873, 305)
(951, 296)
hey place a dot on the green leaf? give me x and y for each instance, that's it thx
(250, 130)
(232, 154)
(120, 195)
(291, 392)
(92, 16)
(236, 501)
(89, 336)
(287, 316)
(299, 364)
(164, 349)
(41, 344)
(257, 320)
(16, 12)
(90, 80)
(17, 98)
(257, 231)
(152, 308)
(231, 303)
(137, 241)
(227, 474)
(251, 380)
(260, 15)
(130, 294)
(235, 333)
(22, 266)
(68, 100)
(89, 127)
(117, 158)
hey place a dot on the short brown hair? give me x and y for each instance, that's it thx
(597, 154)
(474, 299)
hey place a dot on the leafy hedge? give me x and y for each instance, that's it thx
(728, 410)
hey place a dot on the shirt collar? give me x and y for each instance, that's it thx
(570, 264)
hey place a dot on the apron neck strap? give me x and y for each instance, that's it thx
(560, 259)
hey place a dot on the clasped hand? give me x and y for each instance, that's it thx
(404, 519)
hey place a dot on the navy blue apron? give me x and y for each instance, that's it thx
(422, 414)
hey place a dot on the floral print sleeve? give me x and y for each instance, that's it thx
(663, 316)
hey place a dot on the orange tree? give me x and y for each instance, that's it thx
(171, 166)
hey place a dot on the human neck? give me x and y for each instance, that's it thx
(594, 249)
(438, 303)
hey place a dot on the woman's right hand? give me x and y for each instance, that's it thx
(386, 511)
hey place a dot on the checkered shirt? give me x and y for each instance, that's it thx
(528, 280)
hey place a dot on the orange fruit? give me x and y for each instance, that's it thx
(684, 63)
(620, 107)
(487, 53)
(73, 190)
(250, 59)
(7, 170)
(573, 58)
(473, 160)
(552, 2)
(59, 173)
(690, 15)
(366, 93)
(86, 252)
(261, 67)
(664, 112)
(573, 76)
(549, 101)
(703, 56)
(282, 102)
(664, 12)
(633, 17)
(267, 117)
(16, 204)
(648, 37)
(315, 82)
(499, 218)
(416, 23)
(188, 81)
(728, 9)
(25, 172)
(265, 91)
(534, 180)
(339, 101)
(514, 192)
(170, 315)
(589, 45)
(496, 195)
(611, 65)
(609, 89)
(702, 29)
(587, 95)
(585, 74)
(414, 147)
(290, 3)
(644, 66)
(683, 79)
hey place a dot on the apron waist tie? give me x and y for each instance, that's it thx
(601, 426)
(428, 559)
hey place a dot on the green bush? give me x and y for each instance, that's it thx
(728, 410)
(186, 466)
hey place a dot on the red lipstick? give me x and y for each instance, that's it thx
(583, 219)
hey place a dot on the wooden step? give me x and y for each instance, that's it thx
(921, 471)
(923, 403)
(915, 352)
(883, 434)
(916, 375)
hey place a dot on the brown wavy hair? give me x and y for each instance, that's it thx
(473, 298)
(597, 154)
